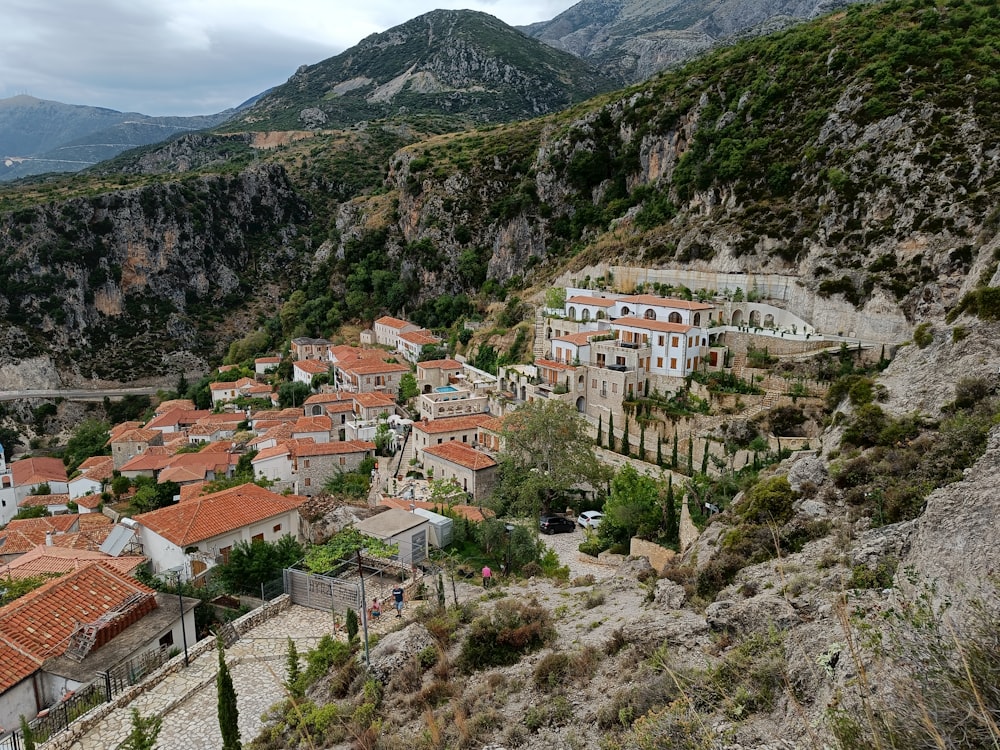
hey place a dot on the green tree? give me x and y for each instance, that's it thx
(229, 714)
(27, 734)
(408, 387)
(633, 508)
(642, 442)
(292, 681)
(673, 453)
(671, 525)
(429, 352)
(256, 562)
(351, 625)
(351, 483)
(89, 438)
(292, 394)
(17, 587)
(626, 448)
(383, 439)
(120, 485)
(659, 450)
(546, 451)
(599, 430)
(10, 438)
(144, 732)
(555, 297)
(611, 432)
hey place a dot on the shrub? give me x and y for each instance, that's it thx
(923, 335)
(515, 628)
(863, 577)
(552, 671)
(768, 501)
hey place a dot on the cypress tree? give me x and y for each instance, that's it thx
(690, 456)
(659, 450)
(673, 453)
(293, 670)
(670, 522)
(229, 715)
(351, 623)
(625, 445)
(600, 438)
(704, 460)
(642, 442)
(27, 735)
(611, 432)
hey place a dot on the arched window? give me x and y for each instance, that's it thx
(697, 319)
(585, 315)
(601, 315)
(769, 321)
(626, 311)
(755, 317)
(650, 314)
(674, 317)
(572, 313)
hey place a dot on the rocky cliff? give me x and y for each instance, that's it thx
(149, 280)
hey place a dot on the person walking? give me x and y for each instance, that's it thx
(487, 576)
(397, 599)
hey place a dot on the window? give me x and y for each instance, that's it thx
(593, 383)
(277, 528)
(224, 554)
(659, 362)
(305, 463)
(167, 640)
(257, 538)
(673, 341)
(661, 339)
(614, 387)
(308, 482)
(688, 363)
(343, 460)
(673, 363)
(465, 438)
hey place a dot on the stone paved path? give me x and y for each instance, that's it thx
(187, 699)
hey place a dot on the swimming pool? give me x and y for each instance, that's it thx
(446, 389)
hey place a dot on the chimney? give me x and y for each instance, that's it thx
(48, 538)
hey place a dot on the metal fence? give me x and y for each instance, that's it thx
(123, 676)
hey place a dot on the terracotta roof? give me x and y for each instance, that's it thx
(118, 429)
(15, 665)
(440, 364)
(592, 301)
(91, 501)
(98, 468)
(550, 364)
(661, 326)
(420, 337)
(138, 435)
(334, 448)
(30, 471)
(46, 560)
(91, 539)
(182, 474)
(223, 386)
(281, 449)
(62, 523)
(461, 454)
(328, 398)
(191, 491)
(390, 322)
(339, 408)
(314, 366)
(321, 423)
(669, 302)
(472, 512)
(92, 521)
(372, 367)
(494, 424)
(41, 622)
(184, 404)
(148, 461)
(580, 339)
(34, 501)
(212, 515)
(369, 400)
(267, 361)
(166, 419)
(450, 424)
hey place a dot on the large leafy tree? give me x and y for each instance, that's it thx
(546, 451)
(633, 508)
(256, 562)
(90, 438)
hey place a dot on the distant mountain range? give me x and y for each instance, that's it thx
(630, 40)
(465, 66)
(38, 136)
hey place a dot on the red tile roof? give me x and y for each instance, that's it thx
(91, 501)
(372, 367)
(390, 322)
(334, 448)
(47, 560)
(440, 364)
(592, 301)
(313, 366)
(118, 429)
(420, 338)
(371, 400)
(209, 516)
(313, 424)
(580, 339)
(450, 424)
(41, 622)
(553, 365)
(34, 501)
(15, 665)
(30, 471)
(661, 326)
(183, 404)
(98, 468)
(668, 302)
(461, 454)
(328, 398)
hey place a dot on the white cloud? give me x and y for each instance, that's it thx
(194, 56)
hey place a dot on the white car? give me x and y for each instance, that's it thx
(590, 519)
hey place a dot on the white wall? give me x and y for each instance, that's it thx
(17, 701)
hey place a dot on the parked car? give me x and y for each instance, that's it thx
(555, 525)
(590, 519)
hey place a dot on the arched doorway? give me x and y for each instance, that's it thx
(581, 405)
(572, 313)
(755, 318)
(737, 319)
(769, 321)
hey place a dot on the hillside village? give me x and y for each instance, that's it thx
(595, 349)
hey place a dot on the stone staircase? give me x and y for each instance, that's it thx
(540, 346)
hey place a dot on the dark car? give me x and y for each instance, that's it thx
(555, 525)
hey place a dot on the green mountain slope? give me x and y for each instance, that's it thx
(464, 65)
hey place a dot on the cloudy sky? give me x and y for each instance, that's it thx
(188, 57)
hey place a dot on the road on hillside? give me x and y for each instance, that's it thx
(78, 394)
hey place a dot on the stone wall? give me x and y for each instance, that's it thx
(659, 557)
(67, 739)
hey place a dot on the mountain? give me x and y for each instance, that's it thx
(38, 136)
(630, 40)
(461, 65)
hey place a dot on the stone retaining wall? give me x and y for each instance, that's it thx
(64, 740)
(659, 557)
